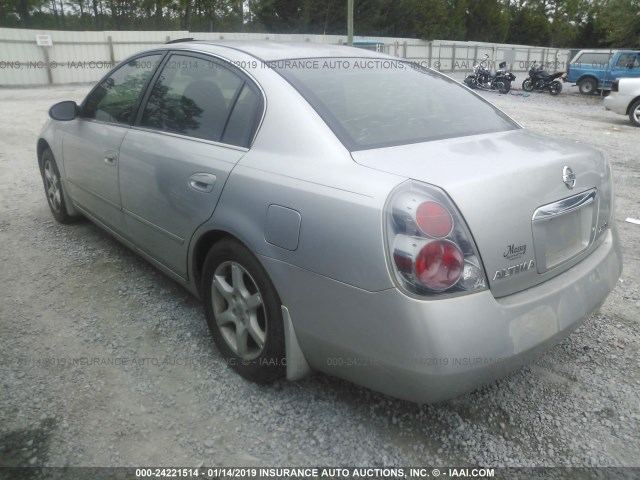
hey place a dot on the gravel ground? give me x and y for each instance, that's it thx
(72, 293)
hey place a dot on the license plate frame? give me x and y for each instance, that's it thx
(564, 229)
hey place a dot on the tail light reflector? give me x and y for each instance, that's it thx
(430, 248)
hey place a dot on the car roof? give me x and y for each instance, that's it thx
(267, 50)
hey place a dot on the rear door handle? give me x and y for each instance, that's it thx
(202, 182)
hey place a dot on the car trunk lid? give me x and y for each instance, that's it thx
(510, 188)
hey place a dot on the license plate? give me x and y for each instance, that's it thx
(566, 229)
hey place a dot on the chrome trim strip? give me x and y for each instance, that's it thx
(564, 206)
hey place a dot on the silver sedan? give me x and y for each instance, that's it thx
(340, 210)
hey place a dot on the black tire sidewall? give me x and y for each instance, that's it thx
(530, 87)
(587, 81)
(557, 90)
(61, 216)
(270, 365)
(635, 105)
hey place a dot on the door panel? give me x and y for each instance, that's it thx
(90, 152)
(91, 143)
(171, 171)
(170, 185)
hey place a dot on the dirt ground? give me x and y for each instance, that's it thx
(106, 362)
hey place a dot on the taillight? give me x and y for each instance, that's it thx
(430, 248)
(615, 85)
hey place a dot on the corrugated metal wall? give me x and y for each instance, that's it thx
(78, 57)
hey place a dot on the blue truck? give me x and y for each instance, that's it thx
(594, 70)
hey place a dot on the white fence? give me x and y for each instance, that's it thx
(78, 57)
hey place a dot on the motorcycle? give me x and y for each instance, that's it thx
(483, 78)
(540, 80)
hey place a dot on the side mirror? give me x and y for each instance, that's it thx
(64, 111)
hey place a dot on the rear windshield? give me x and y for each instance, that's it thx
(373, 103)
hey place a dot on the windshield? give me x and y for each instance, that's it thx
(373, 103)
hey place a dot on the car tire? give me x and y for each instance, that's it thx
(634, 113)
(53, 188)
(243, 311)
(555, 88)
(527, 85)
(587, 86)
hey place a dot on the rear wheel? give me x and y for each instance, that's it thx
(53, 188)
(555, 88)
(503, 86)
(587, 86)
(243, 312)
(634, 113)
(471, 82)
(527, 85)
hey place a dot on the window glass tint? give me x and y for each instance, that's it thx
(115, 98)
(372, 103)
(244, 118)
(594, 59)
(627, 59)
(192, 97)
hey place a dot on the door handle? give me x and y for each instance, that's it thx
(202, 182)
(110, 157)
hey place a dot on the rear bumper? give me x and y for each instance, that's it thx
(427, 351)
(617, 103)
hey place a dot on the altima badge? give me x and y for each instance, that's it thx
(514, 270)
(568, 177)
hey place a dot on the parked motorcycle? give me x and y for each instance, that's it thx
(483, 78)
(540, 80)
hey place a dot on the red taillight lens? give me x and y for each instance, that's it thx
(439, 265)
(430, 248)
(434, 220)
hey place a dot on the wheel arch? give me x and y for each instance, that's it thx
(42, 146)
(636, 99)
(201, 248)
(588, 76)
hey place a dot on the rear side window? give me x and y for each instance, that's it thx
(595, 59)
(371, 103)
(196, 97)
(115, 98)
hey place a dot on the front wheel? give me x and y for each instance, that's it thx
(555, 88)
(53, 188)
(634, 114)
(527, 85)
(243, 312)
(587, 86)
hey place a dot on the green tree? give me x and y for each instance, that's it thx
(487, 21)
(528, 24)
(621, 19)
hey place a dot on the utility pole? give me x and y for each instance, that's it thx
(350, 23)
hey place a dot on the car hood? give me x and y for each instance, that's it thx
(498, 182)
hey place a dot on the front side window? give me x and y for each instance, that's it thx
(195, 96)
(372, 103)
(115, 98)
(627, 60)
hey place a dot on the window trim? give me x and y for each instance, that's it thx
(246, 80)
(136, 107)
